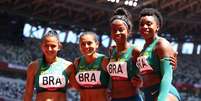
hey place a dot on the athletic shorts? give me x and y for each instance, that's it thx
(153, 92)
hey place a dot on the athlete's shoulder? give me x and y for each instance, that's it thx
(34, 63)
(136, 51)
(76, 61)
(163, 42)
(136, 48)
(33, 66)
(163, 47)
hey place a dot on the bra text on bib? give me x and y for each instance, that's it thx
(88, 78)
(117, 70)
(52, 81)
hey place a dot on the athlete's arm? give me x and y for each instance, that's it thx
(135, 54)
(104, 66)
(29, 87)
(164, 52)
(167, 73)
(105, 63)
(173, 60)
(136, 80)
(71, 74)
(73, 81)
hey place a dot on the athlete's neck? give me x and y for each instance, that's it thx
(148, 41)
(49, 60)
(122, 48)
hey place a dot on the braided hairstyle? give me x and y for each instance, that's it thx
(124, 15)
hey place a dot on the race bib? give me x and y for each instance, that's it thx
(143, 66)
(118, 70)
(51, 81)
(88, 78)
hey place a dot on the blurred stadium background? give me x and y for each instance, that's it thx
(24, 22)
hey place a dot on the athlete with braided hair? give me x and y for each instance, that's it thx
(121, 67)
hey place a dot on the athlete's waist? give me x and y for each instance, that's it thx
(150, 80)
(53, 96)
(123, 89)
(93, 94)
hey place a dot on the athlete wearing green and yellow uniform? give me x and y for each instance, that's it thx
(122, 69)
(91, 75)
(154, 60)
(121, 66)
(52, 78)
(50, 74)
(153, 71)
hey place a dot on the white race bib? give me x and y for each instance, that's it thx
(88, 78)
(118, 70)
(52, 81)
(143, 65)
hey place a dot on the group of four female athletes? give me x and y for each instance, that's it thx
(128, 69)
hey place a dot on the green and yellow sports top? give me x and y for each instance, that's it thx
(52, 78)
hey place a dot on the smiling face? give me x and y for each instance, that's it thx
(119, 32)
(148, 26)
(88, 44)
(50, 46)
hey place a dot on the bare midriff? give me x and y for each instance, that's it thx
(150, 80)
(99, 94)
(123, 89)
(51, 96)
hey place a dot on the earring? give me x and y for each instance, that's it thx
(156, 30)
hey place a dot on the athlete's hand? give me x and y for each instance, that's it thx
(173, 61)
(137, 81)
